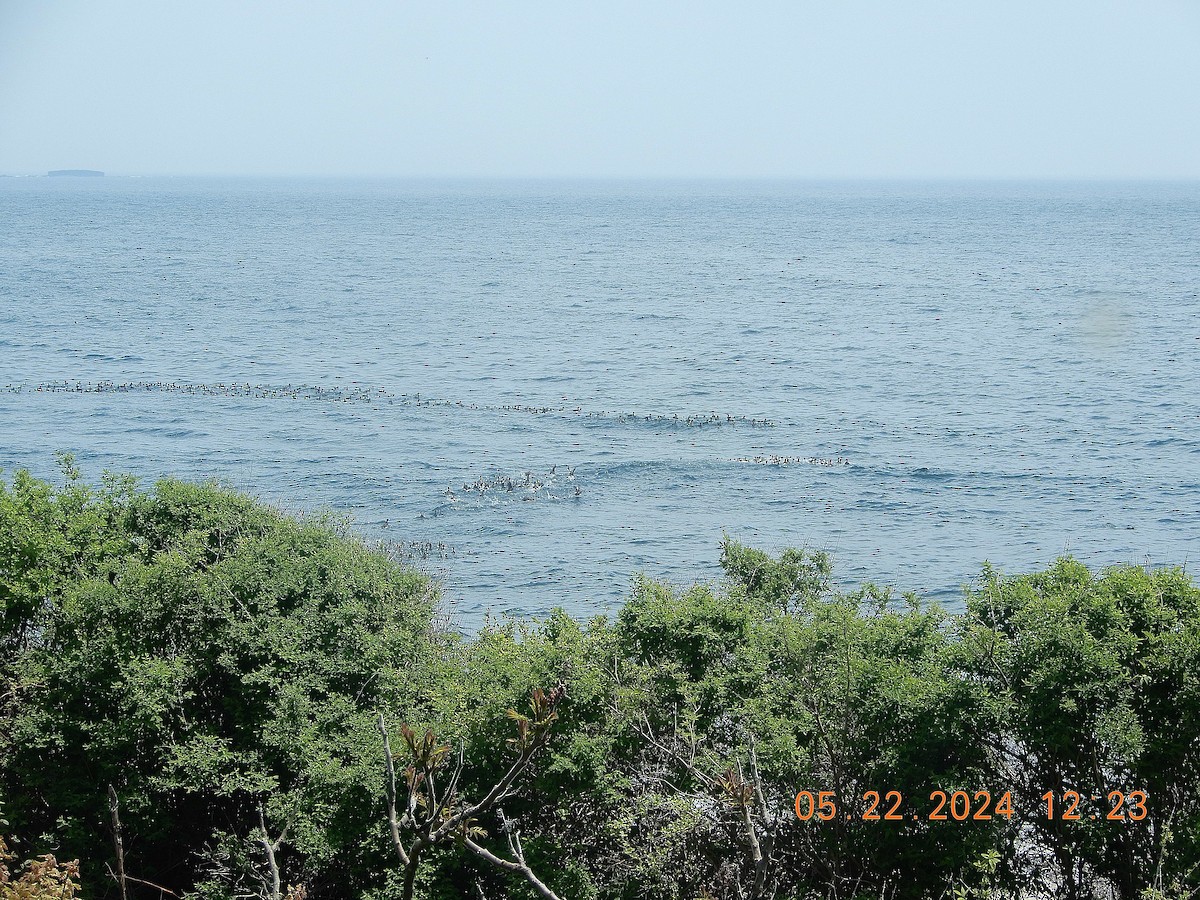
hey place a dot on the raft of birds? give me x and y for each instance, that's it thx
(407, 551)
(528, 485)
(794, 460)
(354, 394)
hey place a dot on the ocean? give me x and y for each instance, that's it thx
(538, 390)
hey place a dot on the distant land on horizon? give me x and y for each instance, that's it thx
(85, 173)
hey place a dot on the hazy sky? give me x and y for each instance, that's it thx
(838, 88)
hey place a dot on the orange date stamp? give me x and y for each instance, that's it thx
(973, 806)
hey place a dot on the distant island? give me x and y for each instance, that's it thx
(79, 173)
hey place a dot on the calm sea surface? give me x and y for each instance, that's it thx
(544, 388)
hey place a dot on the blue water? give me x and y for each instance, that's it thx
(499, 376)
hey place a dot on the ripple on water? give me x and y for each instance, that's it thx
(952, 345)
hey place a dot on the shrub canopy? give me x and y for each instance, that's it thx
(224, 666)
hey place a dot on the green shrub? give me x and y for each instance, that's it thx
(223, 667)
(1097, 679)
(204, 655)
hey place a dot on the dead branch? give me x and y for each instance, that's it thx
(157, 887)
(517, 864)
(118, 842)
(760, 848)
(446, 816)
(393, 822)
(271, 847)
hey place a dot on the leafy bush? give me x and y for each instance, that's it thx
(228, 670)
(205, 655)
(44, 878)
(1097, 684)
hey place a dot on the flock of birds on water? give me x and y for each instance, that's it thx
(530, 485)
(527, 486)
(794, 460)
(374, 395)
(422, 550)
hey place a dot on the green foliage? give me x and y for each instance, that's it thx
(1098, 679)
(777, 684)
(202, 653)
(797, 577)
(211, 657)
(44, 878)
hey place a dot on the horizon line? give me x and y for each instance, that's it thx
(319, 176)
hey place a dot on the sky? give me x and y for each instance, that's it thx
(607, 88)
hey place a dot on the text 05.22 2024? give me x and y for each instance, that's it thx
(977, 806)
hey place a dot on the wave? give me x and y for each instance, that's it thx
(931, 474)
(356, 394)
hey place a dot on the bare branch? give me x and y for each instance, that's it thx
(157, 887)
(518, 866)
(435, 805)
(533, 735)
(498, 792)
(764, 810)
(270, 847)
(751, 833)
(452, 790)
(760, 850)
(118, 842)
(393, 822)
